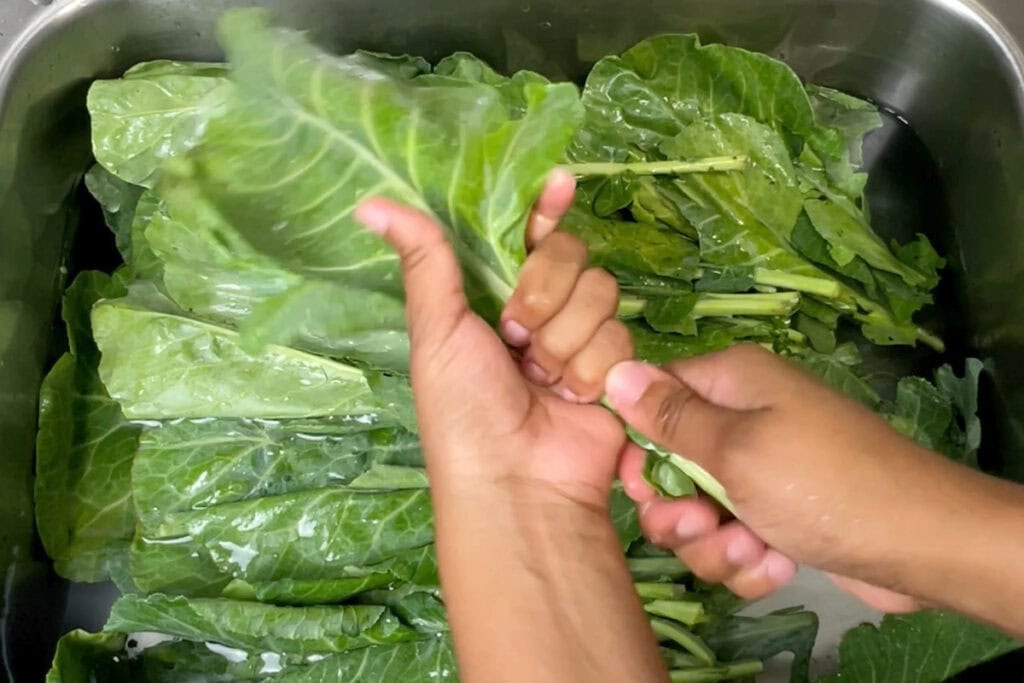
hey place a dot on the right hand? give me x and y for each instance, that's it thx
(815, 477)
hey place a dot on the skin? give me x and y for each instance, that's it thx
(820, 479)
(521, 477)
(521, 465)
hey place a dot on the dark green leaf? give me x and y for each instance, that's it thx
(926, 647)
(263, 628)
(735, 638)
(192, 464)
(84, 451)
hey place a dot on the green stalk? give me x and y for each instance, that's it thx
(666, 630)
(631, 307)
(655, 168)
(782, 304)
(723, 672)
(825, 288)
(684, 611)
(715, 305)
(659, 591)
(656, 567)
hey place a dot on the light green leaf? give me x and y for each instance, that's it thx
(295, 150)
(162, 365)
(307, 535)
(193, 464)
(157, 111)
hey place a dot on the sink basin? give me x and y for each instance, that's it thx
(951, 68)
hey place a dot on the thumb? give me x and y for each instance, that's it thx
(435, 301)
(669, 412)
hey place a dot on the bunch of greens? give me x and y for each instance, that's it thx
(230, 436)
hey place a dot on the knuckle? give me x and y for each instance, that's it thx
(600, 284)
(537, 303)
(619, 338)
(554, 345)
(565, 247)
(668, 416)
(747, 353)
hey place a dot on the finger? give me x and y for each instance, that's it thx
(631, 473)
(744, 377)
(881, 599)
(592, 302)
(718, 556)
(546, 282)
(774, 571)
(584, 374)
(554, 202)
(435, 302)
(673, 524)
(669, 412)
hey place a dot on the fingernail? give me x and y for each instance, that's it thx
(561, 175)
(780, 569)
(373, 217)
(514, 333)
(534, 372)
(628, 382)
(689, 527)
(565, 393)
(740, 552)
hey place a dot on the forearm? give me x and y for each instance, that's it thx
(965, 545)
(537, 589)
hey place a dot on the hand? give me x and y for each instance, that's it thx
(520, 466)
(484, 415)
(813, 475)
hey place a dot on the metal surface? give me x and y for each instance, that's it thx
(947, 65)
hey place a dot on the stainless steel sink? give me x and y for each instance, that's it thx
(949, 67)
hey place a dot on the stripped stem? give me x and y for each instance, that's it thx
(655, 168)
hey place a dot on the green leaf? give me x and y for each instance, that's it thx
(115, 658)
(263, 628)
(84, 451)
(766, 193)
(839, 370)
(630, 250)
(417, 567)
(941, 416)
(84, 657)
(624, 517)
(118, 200)
(307, 535)
(735, 638)
(293, 152)
(850, 236)
(155, 112)
(163, 365)
(193, 464)
(648, 94)
(852, 118)
(926, 647)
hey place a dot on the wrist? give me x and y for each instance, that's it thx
(512, 478)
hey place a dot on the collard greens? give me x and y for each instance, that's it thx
(231, 435)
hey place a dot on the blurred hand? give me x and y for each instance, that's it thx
(814, 476)
(490, 415)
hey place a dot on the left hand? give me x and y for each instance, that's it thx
(488, 415)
